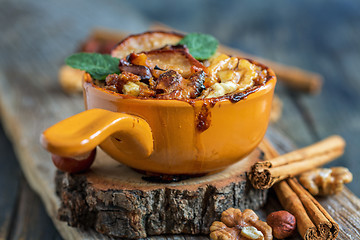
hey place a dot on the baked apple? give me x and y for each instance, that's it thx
(145, 42)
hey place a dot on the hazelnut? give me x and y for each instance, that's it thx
(74, 164)
(283, 224)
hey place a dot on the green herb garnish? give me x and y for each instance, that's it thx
(96, 64)
(201, 46)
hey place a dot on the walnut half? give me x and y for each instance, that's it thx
(237, 225)
(325, 181)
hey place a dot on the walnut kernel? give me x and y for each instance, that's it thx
(251, 232)
(237, 225)
(325, 181)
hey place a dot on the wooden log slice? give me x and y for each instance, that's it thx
(116, 200)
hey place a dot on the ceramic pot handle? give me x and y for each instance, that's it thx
(81, 133)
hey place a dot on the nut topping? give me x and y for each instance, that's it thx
(325, 181)
(228, 75)
(239, 225)
(251, 232)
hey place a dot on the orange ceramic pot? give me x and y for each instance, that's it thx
(165, 136)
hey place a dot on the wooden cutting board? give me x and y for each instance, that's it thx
(118, 201)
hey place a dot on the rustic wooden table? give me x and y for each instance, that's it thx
(36, 36)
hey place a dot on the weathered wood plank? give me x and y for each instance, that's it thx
(336, 109)
(44, 33)
(30, 220)
(18, 219)
(9, 185)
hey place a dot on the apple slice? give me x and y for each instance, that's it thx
(74, 164)
(145, 42)
(175, 58)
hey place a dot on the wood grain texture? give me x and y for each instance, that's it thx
(319, 36)
(10, 189)
(117, 201)
(18, 218)
(28, 216)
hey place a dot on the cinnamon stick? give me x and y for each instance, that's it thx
(293, 77)
(265, 174)
(313, 222)
(325, 224)
(291, 202)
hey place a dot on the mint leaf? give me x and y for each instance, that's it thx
(201, 46)
(96, 64)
